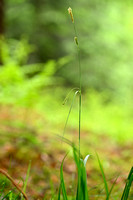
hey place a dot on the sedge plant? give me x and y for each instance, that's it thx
(82, 190)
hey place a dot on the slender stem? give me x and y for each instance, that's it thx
(80, 94)
(80, 83)
(79, 120)
(78, 50)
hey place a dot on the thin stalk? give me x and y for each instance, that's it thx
(80, 99)
(79, 65)
(80, 81)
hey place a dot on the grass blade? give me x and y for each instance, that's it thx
(82, 191)
(62, 184)
(103, 175)
(10, 196)
(27, 176)
(85, 160)
(65, 100)
(59, 192)
(69, 112)
(111, 189)
(128, 185)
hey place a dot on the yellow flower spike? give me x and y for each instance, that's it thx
(71, 14)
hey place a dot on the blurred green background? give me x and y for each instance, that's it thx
(39, 61)
(39, 68)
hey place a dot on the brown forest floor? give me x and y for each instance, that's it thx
(20, 144)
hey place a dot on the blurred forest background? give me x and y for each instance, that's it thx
(39, 67)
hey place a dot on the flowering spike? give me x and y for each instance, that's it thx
(71, 14)
(76, 40)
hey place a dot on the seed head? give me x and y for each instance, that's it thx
(76, 40)
(71, 14)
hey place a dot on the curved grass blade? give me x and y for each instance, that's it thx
(67, 141)
(66, 98)
(69, 112)
(128, 185)
(103, 175)
(85, 160)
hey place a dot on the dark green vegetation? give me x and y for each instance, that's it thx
(39, 67)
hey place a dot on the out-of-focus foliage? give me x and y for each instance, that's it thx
(15, 85)
(105, 32)
(105, 35)
(40, 22)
